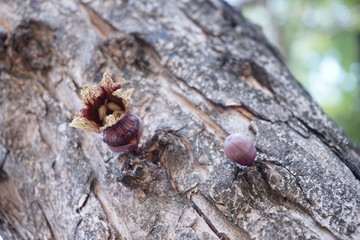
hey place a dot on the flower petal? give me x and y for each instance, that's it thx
(89, 94)
(125, 96)
(108, 84)
(83, 123)
(109, 121)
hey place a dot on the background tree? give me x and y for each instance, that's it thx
(200, 71)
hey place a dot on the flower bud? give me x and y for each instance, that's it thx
(240, 148)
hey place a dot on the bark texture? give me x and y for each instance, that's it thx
(200, 72)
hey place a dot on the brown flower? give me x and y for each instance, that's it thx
(106, 111)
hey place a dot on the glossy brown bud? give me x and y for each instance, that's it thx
(240, 148)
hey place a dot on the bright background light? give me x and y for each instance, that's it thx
(320, 41)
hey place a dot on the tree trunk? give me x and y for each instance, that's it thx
(200, 72)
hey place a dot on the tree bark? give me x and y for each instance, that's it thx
(200, 71)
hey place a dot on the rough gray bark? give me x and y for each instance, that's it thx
(200, 71)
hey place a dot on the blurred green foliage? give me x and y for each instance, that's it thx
(321, 43)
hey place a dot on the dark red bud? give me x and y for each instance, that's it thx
(125, 134)
(240, 148)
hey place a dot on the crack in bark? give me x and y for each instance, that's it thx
(335, 149)
(207, 220)
(243, 110)
(198, 24)
(167, 74)
(295, 205)
(298, 127)
(76, 85)
(264, 79)
(103, 27)
(77, 227)
(52, 233)
(203, 117)
(233, 231)
(157, 218)
(111, 215)
(292, 174)
(255, 113)
(83, 203)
